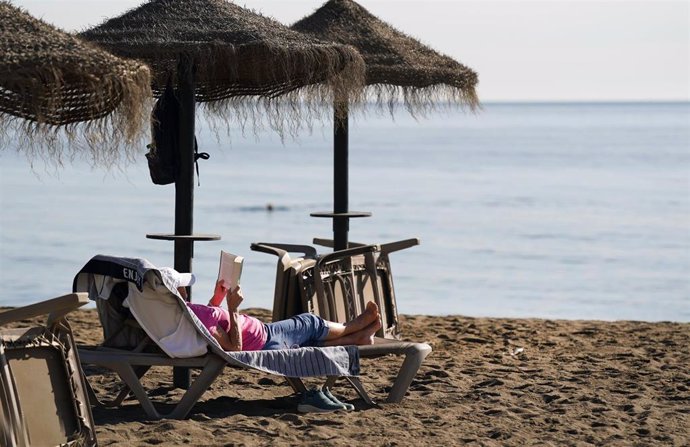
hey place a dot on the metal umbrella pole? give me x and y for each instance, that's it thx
(184, 236)
(341, 214)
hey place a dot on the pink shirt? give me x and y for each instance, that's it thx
(253, 331)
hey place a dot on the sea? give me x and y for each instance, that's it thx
(529, 210)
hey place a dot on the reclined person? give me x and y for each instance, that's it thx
(240, 332)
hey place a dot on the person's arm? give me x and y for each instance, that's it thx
(235, 332)
(229, 341)
(218, 293)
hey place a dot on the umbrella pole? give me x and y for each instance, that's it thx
(341, 223)
(184, 188)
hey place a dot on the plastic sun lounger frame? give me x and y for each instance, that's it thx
(337, 286)
(132, 362)
(43, 393)
(132, 365)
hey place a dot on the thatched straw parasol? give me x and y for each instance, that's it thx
(235, 52)
(52, 82)
(398, 68)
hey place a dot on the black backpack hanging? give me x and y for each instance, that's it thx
(164, 151)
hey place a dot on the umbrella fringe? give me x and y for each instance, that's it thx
(419, 102)
(62, 98)
(50, 125)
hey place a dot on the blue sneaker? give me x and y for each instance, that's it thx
(344, 405)
(314, 401)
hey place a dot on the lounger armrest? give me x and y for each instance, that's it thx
(389, 247)
(399, 245)
(386, 346)
(347, 253)
(329, 243)
(55, 308)
(281, 249)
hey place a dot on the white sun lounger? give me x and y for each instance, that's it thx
(164, 321)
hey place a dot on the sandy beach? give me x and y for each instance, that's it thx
(488, 381)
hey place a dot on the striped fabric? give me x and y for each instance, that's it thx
(303, 362)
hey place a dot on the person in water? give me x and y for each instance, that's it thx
(235, 331)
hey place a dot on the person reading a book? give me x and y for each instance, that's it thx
(235, 331)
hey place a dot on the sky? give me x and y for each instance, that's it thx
(615, 50)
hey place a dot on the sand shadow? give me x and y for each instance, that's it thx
(219, 407)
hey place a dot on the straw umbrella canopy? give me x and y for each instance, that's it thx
(397, 65)
(225, 56)
(398, 68)
(53, 83)
(236, 54)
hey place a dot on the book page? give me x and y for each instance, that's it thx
(230, 269)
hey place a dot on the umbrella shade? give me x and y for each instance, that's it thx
(51, 80)
(235, 52)
(396, 65)
(395, 62)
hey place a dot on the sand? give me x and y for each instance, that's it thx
(487, 382)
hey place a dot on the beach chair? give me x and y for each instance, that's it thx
(147, 323)
(337, 286)
(43, 397)
(373, 281)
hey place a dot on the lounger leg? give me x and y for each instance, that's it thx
(413, 360)
(296, 384)
(212, 369)
(330, 381)
(125, 391)
(127, 374)
(357, 384)
(208, 374)
(93, 399)
(121, 396)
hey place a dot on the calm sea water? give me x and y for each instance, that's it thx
(524, 210)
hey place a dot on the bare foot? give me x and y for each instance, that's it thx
(370, 314)
(372, 307)
(367, 334)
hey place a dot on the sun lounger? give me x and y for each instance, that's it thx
(337, 286)
(43, 397)
(374, 282)
(139, 309)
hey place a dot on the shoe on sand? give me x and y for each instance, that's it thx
(314, 401)
(336, 401)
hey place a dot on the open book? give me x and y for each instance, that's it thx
(230, 269)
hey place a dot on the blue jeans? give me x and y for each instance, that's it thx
(299, 331)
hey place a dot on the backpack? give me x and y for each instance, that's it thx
(164, 152)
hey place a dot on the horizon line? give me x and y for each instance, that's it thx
(586, 101)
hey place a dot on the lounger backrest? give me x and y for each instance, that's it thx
(346, 285)
(381, 291)
(293, 284)
(345, 282)
(43, 400)
(374, 282)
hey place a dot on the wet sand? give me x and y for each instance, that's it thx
(487, 382)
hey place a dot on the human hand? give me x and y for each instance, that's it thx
(234, 298)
